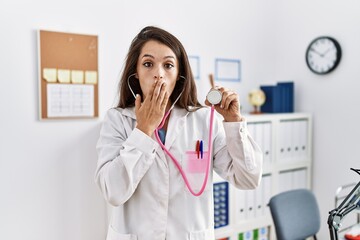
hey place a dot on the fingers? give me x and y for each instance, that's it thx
(228, 97)
(160, 92)
(157, 96)
(207, 103)
(151, 92)
(137, 102)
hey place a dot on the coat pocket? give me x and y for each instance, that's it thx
(195, 168)
(207, 234)
(114, 235)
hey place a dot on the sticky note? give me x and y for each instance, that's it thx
(49, 74)
(91, 77)
(77, 76)
(63, 75)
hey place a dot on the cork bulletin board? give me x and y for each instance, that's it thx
(68, 72)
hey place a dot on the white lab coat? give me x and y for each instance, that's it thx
(150, 198)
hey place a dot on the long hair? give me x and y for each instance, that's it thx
(186, 83)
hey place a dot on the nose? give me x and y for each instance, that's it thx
(158, 77)
(158, 73)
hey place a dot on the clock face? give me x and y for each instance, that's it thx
(323, 55)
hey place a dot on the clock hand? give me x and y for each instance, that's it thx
(326, 51)
(311, 49)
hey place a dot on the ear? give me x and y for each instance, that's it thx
(136, 76)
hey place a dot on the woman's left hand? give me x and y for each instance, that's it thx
(229, 107)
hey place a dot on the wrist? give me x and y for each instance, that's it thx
(145, 130)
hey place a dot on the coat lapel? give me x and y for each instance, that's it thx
(176, 125)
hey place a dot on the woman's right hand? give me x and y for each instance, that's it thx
(150, 113)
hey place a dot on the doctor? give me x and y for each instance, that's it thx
(150, 198)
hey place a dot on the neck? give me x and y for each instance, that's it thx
(168, 106)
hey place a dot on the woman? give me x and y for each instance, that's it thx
(136, 176)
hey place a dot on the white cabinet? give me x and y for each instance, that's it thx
(285, 140)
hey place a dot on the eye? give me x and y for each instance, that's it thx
(147, 64)
(169, 65)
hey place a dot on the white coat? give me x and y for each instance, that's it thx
(150, 198)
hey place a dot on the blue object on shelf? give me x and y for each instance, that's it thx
(279, 98)
(287, 96)
(221, 204)
(273, 99)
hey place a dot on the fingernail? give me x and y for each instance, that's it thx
(221, 106)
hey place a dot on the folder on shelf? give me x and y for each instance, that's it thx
(285, 181)
(267, 138)
(296, 141)
(273, 102)
(282, 145)
(299, 178)
(266, 182)
(240, 203)
(289, 144)
(250, 204)
(287, 96)
(259, 201)
(303, 128)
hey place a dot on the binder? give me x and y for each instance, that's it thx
(303, 128)
(250, 204)
(240, 198)
(296, 140)
(259, 201)
(299, 178)
(273, 99)
(267, 144)
(285, 181)
(266, 185)
(287, 96)
(289, 141)
(282, 142)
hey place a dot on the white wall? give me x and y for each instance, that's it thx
(46, 168)
(332, 98)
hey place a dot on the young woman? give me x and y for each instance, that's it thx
(140, 174)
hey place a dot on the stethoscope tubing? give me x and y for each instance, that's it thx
(177, 163)
(172, 156)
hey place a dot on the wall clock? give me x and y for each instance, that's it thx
(323, 55)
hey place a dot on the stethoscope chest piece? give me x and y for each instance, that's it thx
(214, 96)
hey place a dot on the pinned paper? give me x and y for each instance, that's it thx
(63, 75)
(77, 76)
(91, 77)
(49, 74)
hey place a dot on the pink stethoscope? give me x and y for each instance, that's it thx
(214, 97)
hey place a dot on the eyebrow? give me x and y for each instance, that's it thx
(151, 56)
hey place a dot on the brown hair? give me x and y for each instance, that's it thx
(185, 83)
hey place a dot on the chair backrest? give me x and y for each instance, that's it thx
(295, 214)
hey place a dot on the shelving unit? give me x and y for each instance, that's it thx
(285, 140)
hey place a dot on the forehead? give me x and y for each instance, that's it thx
(156, 49)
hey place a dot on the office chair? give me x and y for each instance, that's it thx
(295, 214)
